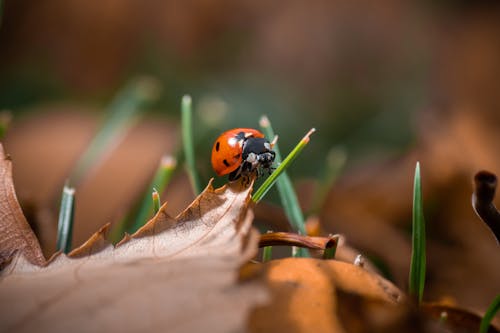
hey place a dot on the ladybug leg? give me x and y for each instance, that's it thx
(235, 175)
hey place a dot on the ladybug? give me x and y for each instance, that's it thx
(241, 152)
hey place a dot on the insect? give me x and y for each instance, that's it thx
(241, 152)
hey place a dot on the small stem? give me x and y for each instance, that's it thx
(482, 201)
(335, 162)
(155, 196)
(489, 315)
(5, 119)
(267, 253)
(293, 239)
(417, 265)
(187, 140)
(269, 182)
(65, 224)
(119, 117)
(331, 247)
(160, 181)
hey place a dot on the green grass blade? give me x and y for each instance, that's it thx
(285, 188)
(269, 182)
(335, 162)
(331, 247)
(160, 181)
(187, 141)
(118, 119)
(417, 266)
(489, 315)
(267, 253)
(5, 120)
(155, 196)
(284, 184)
(65, 224)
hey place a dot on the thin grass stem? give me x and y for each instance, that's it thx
(285, 188)
(267, 253)
(187, 141)
(417, 265)
(489, 315)
(65, 224)
(5, 120)
(335, 162)
(269, 182)
(120, 116)
(160, 181)
(155, 196)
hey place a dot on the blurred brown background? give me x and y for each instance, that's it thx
(390, 82)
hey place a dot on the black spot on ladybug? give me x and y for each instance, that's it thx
(237, 156)
(217, 146)
(225, 162)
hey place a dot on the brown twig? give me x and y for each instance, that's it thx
(292, 239)
(485, 184)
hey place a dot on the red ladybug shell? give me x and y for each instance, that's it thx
(227, 149)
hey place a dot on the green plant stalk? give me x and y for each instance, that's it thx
(267, 253)
(489, 315)
(65, 224)
(269, 182)
(417, 265)
(160, 181)
(155, 196)
(330, 252)
(335, 162)
(187, 141)
(285, 188)
(121, 113)
(5, 119)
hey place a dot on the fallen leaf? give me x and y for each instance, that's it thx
(305, 294)
(16, 235)
(39, 146)
(174, 274)
(455, 319)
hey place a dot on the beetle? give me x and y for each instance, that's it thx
(241, 152)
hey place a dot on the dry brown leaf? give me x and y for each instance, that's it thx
(175, 275)
(455, 319)
(16, 235)
(305, 294)
(38, 145)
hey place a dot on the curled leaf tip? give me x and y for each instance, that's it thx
(485, 184)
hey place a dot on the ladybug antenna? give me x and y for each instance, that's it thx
(274, 141)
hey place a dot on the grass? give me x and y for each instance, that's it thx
(155, 197)
(160, 181)
(5, 120)
(269, 182)
(267, 252)
(284, 184)
(335, 162)
(187, 141)
(417, 265)
(285, 188)
(65, 224)
(489, 315)
(120, 116)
